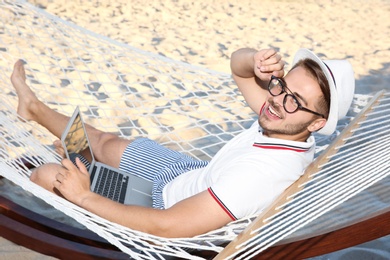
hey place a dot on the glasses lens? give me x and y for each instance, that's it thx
(275, 87)
(290, 103)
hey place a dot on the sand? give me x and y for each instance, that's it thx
(205, 33)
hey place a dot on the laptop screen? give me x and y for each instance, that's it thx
(74, 138)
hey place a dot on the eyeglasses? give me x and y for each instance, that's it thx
(278, 86)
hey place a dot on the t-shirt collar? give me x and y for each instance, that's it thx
(265, 142)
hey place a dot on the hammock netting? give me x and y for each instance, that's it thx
(132, 92)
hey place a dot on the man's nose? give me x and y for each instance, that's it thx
(279, 99)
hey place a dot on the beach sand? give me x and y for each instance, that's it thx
(205, 33)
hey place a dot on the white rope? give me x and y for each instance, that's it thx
(131, 92)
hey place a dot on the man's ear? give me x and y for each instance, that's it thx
(317, 125)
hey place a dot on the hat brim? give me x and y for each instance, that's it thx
(331, 122)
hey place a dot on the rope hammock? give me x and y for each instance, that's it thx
(131, 92)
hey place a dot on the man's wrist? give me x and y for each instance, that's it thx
(243, 62)
(84, 200)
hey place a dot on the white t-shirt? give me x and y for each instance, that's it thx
(247, 174)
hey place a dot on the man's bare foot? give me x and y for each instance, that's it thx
(27, 99)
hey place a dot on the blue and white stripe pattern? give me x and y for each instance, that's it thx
(73, 157)
(152, 161)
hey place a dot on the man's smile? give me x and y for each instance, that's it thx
(271, 110)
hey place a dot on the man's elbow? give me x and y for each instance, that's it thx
(172, 228)
(165, 229)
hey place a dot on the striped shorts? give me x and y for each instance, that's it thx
(152, 161)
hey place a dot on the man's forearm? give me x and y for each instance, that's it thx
(187, 218)
(135, 217)
(242, 63)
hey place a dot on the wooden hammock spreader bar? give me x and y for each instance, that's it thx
(373, 227)
(56, 239)
(50, 237)
(314, 167)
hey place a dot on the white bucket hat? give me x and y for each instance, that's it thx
(341, 81)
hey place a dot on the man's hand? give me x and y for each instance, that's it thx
(73, 182)
(266, 63)
(252, 70)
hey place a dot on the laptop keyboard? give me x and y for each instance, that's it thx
(111, 184)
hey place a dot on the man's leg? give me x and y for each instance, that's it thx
(45, 176)
(107, 148)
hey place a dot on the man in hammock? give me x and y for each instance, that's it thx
(191, 197)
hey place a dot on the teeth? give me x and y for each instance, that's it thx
(273, 112)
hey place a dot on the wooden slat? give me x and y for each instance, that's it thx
(50, 237)
(362, 232)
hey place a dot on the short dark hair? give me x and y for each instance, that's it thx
(316, 72)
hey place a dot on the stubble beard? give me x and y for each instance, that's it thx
(288, 129)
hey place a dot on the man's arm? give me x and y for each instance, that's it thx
(193, 216)
(252, 70)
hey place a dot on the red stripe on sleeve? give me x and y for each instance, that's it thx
(221, 204)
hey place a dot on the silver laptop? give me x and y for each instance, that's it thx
(107, 181)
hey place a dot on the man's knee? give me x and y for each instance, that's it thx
(45, 175)
(110, 148)
(34, 176)
(105, 138)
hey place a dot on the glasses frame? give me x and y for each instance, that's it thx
(283, 90)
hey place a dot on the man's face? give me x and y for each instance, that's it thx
(276, 122)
